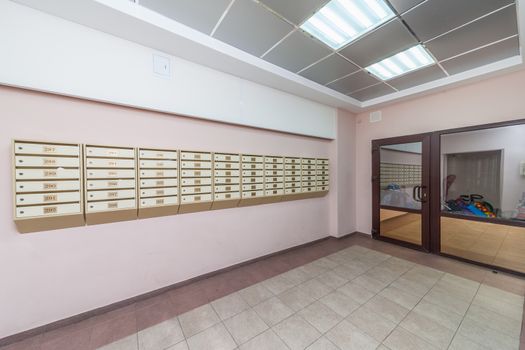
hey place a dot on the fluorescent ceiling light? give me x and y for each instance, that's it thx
(414, 58)
(341, 21)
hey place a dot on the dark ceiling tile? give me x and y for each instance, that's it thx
(497, 26)
(386, 41)
(478, 58)
(404, 5)
(296, 11)
(436, 17)
(372, 92)
(353, 82)
(329, 69)
(418, 77)
(297, 51)
(202, 15)
(250, 27)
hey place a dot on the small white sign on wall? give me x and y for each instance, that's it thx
(161, 66)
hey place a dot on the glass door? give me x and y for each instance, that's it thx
(400, 179)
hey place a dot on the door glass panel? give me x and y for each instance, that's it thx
(482, 180)
(400, 191)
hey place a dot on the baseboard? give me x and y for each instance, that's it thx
(104, 309)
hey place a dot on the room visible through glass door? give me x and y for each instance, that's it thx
(400, 190)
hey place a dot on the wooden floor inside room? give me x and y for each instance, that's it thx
(350, 293)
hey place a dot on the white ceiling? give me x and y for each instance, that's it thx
(261, 41)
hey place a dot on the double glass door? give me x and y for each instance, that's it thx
(458, 193)
(401, 190)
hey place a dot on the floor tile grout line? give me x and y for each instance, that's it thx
(463, 318)
(401, 321)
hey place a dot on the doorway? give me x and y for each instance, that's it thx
(401, 182)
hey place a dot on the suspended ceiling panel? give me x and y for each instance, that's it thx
(404, 5)
(270, 29)
(459, 35)
(297, 51)
(493, 53)
(353, 82)
(241, 27)
(418, 77)
(435, 17)
(495, 27)
(373, 92)
(391, 38)
(296, 11)
(329, 69)
(198, 14)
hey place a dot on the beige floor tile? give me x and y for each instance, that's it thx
(347, 272)
(460, 282)
(320, 316)
(401, 339)
(486, 336)
(313, 270)
(447, 301)
(296, 276)
(296, 332)
(273, 311)
(456, 291)
(493, 320)
(245, 326)
(229, 305)
(370, 283)
(382, 274)
(216, 338)
(386, 308)
(160, 336)
(504, 296)
(411, 286)
(340, 303)
(315, 288)
(255, 294)
(497, 305)
(180, 346)
(326, 263)
(401, 297)
(445, 318)
(356, 292)
(371, 323)
(127, 343)
(265, 341)
(348, 337)
(428, 329)
(331, 279)
(296, 298)
(322, 344)
(278, 284)
(462, 343)
(197, 320)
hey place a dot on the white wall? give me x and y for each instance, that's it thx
(46, 53)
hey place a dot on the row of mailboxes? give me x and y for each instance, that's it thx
(59, 185)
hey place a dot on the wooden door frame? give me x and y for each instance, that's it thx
(435, 214)
(425, 139)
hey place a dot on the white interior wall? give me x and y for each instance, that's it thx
(47, 53)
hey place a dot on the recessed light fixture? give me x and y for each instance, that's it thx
(341, 21)
(404, 62)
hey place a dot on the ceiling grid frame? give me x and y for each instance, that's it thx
(487, 69)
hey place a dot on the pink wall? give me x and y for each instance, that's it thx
(342, 201)
(48, 276)
(497, 99)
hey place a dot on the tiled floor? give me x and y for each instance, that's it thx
(354, 293)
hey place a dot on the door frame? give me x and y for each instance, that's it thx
(425, 139)
(435, 214)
